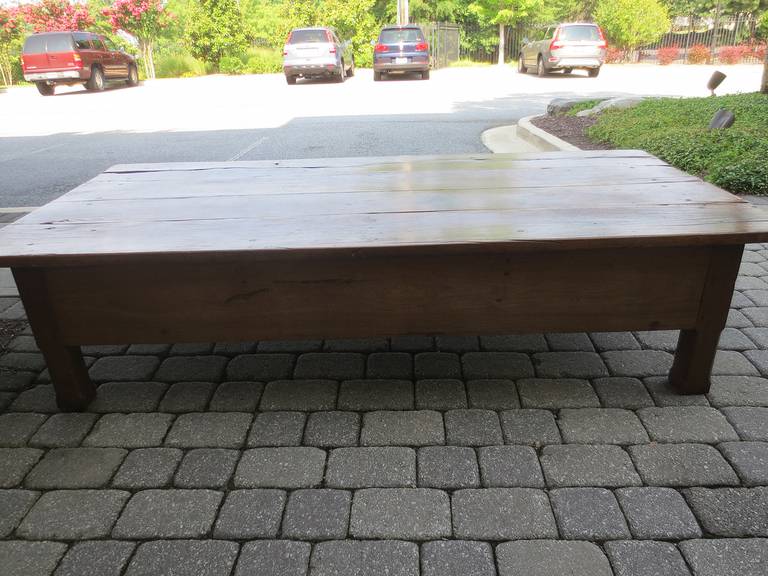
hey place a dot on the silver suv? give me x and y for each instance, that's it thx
(317, 53)
(564, 47)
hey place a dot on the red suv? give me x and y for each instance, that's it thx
(71, 58)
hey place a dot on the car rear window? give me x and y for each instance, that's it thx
(48, 42)
(34, 45)
(308, 36)
(575, 33)
(397, 35)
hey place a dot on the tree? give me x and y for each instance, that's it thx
(506, 13)
(11, 35)
(216, 30)
(142, 18)
(632, 23)
(56, 15)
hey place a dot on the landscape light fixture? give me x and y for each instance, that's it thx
(722, 119)
(715, 81)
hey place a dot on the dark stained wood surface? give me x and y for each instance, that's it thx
(354, 206)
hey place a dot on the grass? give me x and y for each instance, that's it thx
(675, 130)
(465, 63)
(586, 105)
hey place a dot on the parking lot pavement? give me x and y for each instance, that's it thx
(519, 454)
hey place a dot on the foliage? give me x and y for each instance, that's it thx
(667, 55)
(466, 63)
(216, 30)
(231, 65)
(732, 54)
(615, 55)
(632, 23)
(507, 12)
(178, 65)
(762, 25)
(580, 106)
(55, 15)
(264, 61)
(698, 54)
(675, 129)
(11, 37)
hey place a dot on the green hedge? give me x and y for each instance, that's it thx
(675, 130)
(178, 66)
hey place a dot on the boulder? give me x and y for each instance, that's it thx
(613, 103)
(562, 105)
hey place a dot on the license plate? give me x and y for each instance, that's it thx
(401, 60)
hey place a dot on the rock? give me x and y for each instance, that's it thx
(562, 105)
(620, 103)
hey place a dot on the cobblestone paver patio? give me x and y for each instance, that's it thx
(530, 455)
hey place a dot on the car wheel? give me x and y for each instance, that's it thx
(567, 70)
(376, 76)
(425, 75)
(96, 83)
(133, 76)
(351, 71)
(541, 70)
(593, 72)
(521, 68)
(341, 76)
(45, 89)
(290, 79)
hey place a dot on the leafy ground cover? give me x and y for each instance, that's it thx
(675, 130)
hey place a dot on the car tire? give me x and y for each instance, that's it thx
(425, 75)
(290, 79)
(45, 89)
(351, 71)
(541, 69)
(593, 72)
(567, 70)
(521, 68)
(133, 76)
(377, 76)
(342, 75)
(96, 82)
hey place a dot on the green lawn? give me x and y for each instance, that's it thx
(675, 129)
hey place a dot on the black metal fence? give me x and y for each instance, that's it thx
(443, 41)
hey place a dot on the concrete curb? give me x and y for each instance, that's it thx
(544, 140)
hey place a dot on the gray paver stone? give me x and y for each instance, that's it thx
(234, 348)
(332, 429)
(356, 345)
(554, 394)
(63, 430)
(493, 394)
(191, 348)
(277, 429)
(12, 380)
(16, 429)
(209, 430)
(532, 427)
(588, 514)
(192, 369)
(751, 423)
(411, 428)
(645, 558)
(682, 465)
(730, 512)
(621, 392)
(413, 343)
(356, 558)
(407, 513)
(448, 467)
(145, 349)
(686, 424)
(75, 468)
(569, 342)
(657, 514)
(138, 430)
(299, 467)
(758, 316)
(502, 514)
(726, 557)
(738, 391)
(263, 367)
(15, 463)
(437, 365)
(14, 504)
(734, 339)
(485, 365)
(515, 343)
(473, 427)
(638, 363)
(147, 468)
(236, 397)
(440, 394)
(732, 363)
(25, 361)
(605, 341)
(583, 465)
(206, 468)
(390, 365)
(30, 558)
(274, 558)
(664, 395)
(282, 346)
(73, 515)
(299, 395)
(457, 558)
(331, 365)
(184, 558)
(187, 397)
(376, 395)
(457, 343)
(601, 426)
(153, 514)
(569, 365)
(96, 558)
(104, 349)
(317, 514)
(510, 467)
(384, 467)
(758, 335)
(550, 558)
(128, 397)
(41, 399)
(123, 368)
(250, 514)
(749, 459)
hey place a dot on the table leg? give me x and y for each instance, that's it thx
(696, 348)
(74, 389)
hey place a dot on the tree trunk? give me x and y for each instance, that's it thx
(151, 54)
(501, 44)
(764, 84)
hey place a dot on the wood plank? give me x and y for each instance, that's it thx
(624, 289)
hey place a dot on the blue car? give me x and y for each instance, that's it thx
(401, 49)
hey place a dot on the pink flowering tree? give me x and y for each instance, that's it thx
(11, 36)
(56, 15)
(144, 19)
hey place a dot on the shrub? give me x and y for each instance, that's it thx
(231, 65)
(758, 51)
(614, 55)
(698, 54)
(732, 54)
(632, 23)
(178, 65)
(263, 61)
(667, 55)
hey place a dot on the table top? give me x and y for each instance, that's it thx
(398, 205)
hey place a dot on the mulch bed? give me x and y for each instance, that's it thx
(571, 129)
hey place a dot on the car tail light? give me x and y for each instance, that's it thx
(285, 51)
(602, 43)
(288, 39)
(556, 44)
(381, 48)
(422, 47)
(77, 59)
(23, 65)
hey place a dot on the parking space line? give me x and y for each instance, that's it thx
(18, 209)
(247, 149)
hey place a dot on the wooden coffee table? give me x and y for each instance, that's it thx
(343, 248)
